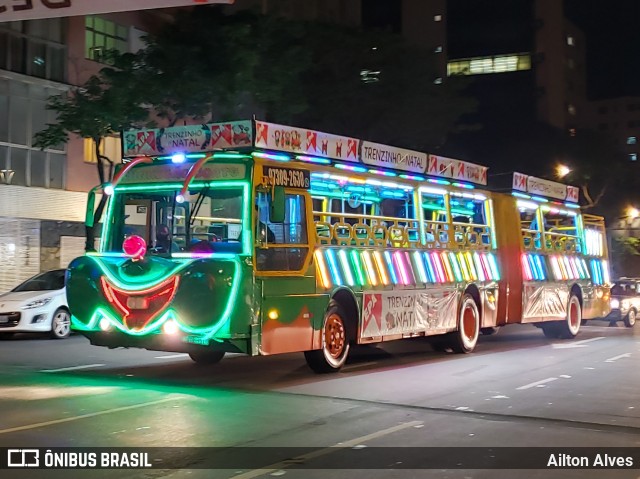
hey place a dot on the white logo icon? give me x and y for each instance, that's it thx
(23, 457)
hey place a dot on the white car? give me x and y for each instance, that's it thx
(38, 305)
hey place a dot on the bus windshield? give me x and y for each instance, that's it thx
(209, 220)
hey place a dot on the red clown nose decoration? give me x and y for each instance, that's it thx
(135, 247)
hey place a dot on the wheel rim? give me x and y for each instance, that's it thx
(632, 317)
(334, 336)
(469, 323)
(61, 324)
(574, 316)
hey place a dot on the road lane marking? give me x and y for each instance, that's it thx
(615, 358)
(37, 425)
(537, 383)
(72, 368)
(278, 466)
(576, 344)
(181, 355)
(356, 366)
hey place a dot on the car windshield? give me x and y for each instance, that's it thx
(49, 281)
(624, 288)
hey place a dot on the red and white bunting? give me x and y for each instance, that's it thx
(305, 142)
(456, 170)
(546, 188)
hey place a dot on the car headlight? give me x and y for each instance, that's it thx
(37, 303)
(615, 303)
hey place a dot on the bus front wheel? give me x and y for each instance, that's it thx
(207, 357)
(335, 342)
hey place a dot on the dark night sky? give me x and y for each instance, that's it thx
(612, 28)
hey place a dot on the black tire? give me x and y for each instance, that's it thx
(465, 339)
(569, 328)
(550, 330)
(489, 331)
(60, 324)
(335, 342)
(207, 357)
(630, 318)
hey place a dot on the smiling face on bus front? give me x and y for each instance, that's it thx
(209, 220)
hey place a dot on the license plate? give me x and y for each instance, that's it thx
(138, 303)
(196, 340)
(4, 319)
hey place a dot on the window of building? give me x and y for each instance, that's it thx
(570, 40)
(633, 156)
(631, 140)
(438, 49)
(34, 47)
(24, 114)
(486, 65)
(437, 18)
(109, 147)
(438, 81)
(102, 35)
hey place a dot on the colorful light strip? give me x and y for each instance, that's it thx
(333, 267)
(381, 267)
(422, 272)
(357, 169)
(392, 271)
(270, 156)
(313, 159)
(456, 267)
(322, 269)
(357, 266)
(352, 267)
(346, 269)
(527, 273)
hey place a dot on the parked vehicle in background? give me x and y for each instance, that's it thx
(38, 305)
(625, 301)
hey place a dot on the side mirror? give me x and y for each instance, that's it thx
(91, 203)
(277, 207)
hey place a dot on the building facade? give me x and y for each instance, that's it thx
(42, 192)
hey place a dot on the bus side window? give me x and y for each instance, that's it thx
(279, 254)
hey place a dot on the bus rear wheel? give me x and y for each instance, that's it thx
(569, 328)
(207, 357)
(464, 340)
(335, 342)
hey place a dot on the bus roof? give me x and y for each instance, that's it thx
(298, 143)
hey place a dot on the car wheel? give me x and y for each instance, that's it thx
(61, 324)
(207, 357)
(630, 319)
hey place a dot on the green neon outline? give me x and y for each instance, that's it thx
(207, 332)
(135, 287)
(244, 184)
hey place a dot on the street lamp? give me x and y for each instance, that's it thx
(562, 171)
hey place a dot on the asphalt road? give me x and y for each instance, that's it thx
(518, 389)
